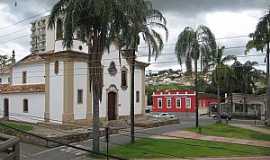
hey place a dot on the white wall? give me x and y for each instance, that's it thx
(36, 106)
(138, 87)
(56, 89)
(50, 39)
(123, 94)
(59, 46)
(80, 82)
(4, 78)
(35, 73)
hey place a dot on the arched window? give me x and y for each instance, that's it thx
(59, 29)
(56, 67)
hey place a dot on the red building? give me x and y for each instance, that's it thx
(181, 101)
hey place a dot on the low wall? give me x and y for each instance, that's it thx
(45, 141)
(9, 148)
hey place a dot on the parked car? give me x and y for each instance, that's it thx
(148, 109)
(223, 115)
(164, 115)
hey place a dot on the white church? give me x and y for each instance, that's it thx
(51, 84)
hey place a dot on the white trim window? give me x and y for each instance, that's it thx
(188, 103)
(169, 102)
(159, 103)
(178, 102)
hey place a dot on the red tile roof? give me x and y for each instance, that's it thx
(5, 89)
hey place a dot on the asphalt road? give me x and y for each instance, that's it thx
(27, 150)
(67, 153)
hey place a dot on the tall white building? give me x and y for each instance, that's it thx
(45, 39)
(51, 84)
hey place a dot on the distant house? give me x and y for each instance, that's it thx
(181, 101)
(246, 106)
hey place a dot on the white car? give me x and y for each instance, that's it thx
(164, 115)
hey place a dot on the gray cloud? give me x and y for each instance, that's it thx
(179, 13)
(193, 7)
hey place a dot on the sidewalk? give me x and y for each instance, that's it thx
(196, 136)
(252, 127)
(236, 158)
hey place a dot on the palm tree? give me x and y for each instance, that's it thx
(246, 75)
(192, 44)
(146, 20)
(261, 38)
(260, 41)
(221, 72)
(101, 22)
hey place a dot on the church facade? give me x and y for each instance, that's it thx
(52, 83)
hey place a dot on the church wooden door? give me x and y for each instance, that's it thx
(112, 106)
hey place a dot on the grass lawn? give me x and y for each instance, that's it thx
(21, 126)
(181, 148)
(231, 131)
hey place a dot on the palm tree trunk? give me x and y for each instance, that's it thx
(218, 94)
(96, 133)
(96, 82)
(188, 65)
(196, 92)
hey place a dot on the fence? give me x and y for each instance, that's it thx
(9, 148)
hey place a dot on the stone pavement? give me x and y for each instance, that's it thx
(196, 136)
(252, 127)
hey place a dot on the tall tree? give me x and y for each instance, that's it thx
(222, 73)
(260, 41)
(190, 41)
(101, 22)
(192, 44)
(246, 76)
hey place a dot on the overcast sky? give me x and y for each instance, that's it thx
(226, 18)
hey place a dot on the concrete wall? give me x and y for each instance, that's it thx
(56, 90)
(80, 82)
(36, 106)
(58, 46)
(139, 72)
(34, 73)
(50, 39)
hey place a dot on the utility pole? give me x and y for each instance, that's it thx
(132, 135)
(196, 92)
(218, 94)
(131, 59)
(268, 87)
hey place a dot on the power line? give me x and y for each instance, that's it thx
(23, 20)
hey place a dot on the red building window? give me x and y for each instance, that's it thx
(188, 103)
(169, 102)
(178, 102)
(159, 102)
